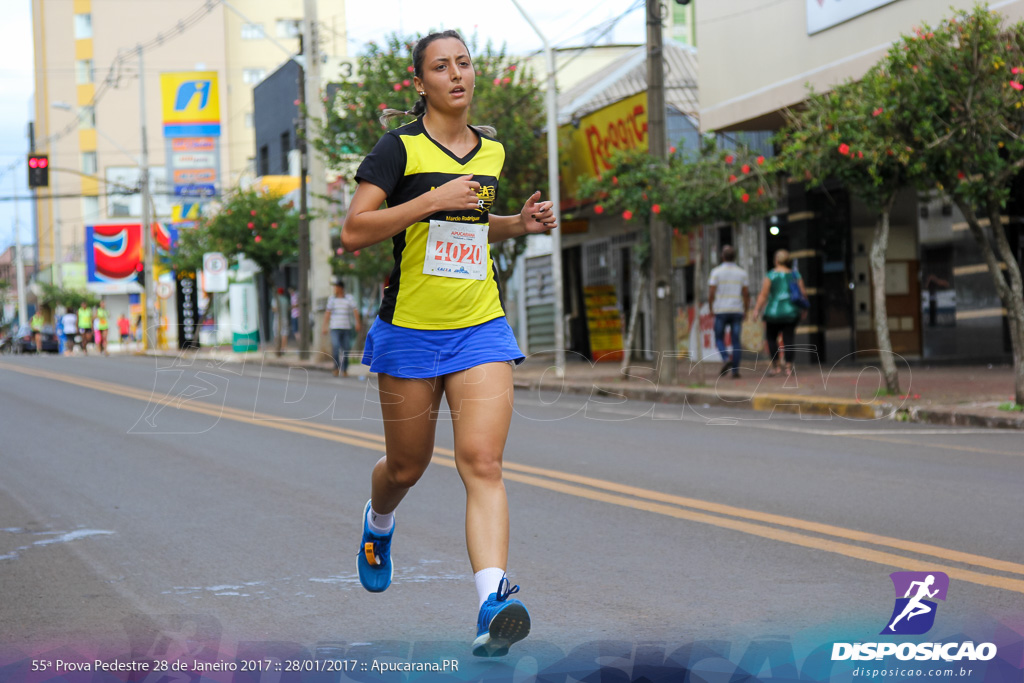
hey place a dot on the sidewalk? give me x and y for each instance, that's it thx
(950, 395)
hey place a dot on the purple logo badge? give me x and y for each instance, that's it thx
(914, 612)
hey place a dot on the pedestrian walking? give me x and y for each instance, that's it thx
(780, 313)
(441, 330)
(101, 326)
(69, 323)
(729, 299)
(341, 319)
(293, 301)
(124, 328)
(85, 326)
(36, 323)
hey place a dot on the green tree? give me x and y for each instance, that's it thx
(255, 224)
(506, 97)
(708, 185)
(959, 89)
(54, 296)
(848, 135)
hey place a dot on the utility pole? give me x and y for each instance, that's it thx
(19, 263)
(318, 235)
(661, 232)
(149, 320)
(304, 252)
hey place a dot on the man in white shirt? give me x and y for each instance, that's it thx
(729, 299)
(342, 319)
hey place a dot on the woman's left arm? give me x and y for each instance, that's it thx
(536, 217)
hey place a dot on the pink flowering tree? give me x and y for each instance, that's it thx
(686, 190)
(506, 97)
(959, 91)
(848, 135)
(255, 224)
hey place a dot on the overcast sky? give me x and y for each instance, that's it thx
(563, 23)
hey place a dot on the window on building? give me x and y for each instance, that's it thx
(90, 208)
(86, 118)
(289, 28)
(89, 165)
(253, 76)
(83, 26)
(253, 32)
(263, 167)
(286, 146)
(249, 120)
(84, 71)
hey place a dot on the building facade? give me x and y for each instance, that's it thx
(941, 303)
(89, 109)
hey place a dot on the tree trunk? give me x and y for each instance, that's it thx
(633, 315)
(1009, 293)
(879, 245)
(1014, 301)
(283, 313)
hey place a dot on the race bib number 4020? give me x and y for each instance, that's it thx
(456, 250)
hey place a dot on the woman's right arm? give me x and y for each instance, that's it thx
(367, 224)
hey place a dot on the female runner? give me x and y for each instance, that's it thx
(441, 329)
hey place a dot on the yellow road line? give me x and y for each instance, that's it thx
(679, 507)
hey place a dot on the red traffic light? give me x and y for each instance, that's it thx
(38, 170)
(139, 267)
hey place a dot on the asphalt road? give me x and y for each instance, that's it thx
(153, 504)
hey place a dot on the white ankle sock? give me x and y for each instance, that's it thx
(487, 581)
(378, 523)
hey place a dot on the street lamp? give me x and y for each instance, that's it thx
(555, 193)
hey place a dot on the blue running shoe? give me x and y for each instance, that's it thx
(374, 560)
(501, 622)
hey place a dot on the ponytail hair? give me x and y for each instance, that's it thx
(420, 108)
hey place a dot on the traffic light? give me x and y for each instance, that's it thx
(140, 274)
(38, 170)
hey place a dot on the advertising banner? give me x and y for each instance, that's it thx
(191, 116)
(188, 310)
(112, 255)
(604, 322)
(191, 104)
(622, 125)
(245, 335)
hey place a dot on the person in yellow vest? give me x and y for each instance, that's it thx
(37, 330)
(85, 326)
(102, 324)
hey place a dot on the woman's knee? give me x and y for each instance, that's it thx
(404, 474)
(480, 465)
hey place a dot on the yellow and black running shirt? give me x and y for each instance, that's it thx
(407, 163)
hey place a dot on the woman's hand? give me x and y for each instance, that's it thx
(458, 194)
(537, 216)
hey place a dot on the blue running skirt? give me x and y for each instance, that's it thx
(417, 354)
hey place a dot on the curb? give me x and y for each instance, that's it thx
(805, 405)
(958, 416)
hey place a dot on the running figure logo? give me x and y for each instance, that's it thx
(914, 612)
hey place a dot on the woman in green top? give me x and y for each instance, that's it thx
(37, 330)
(780, 314)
